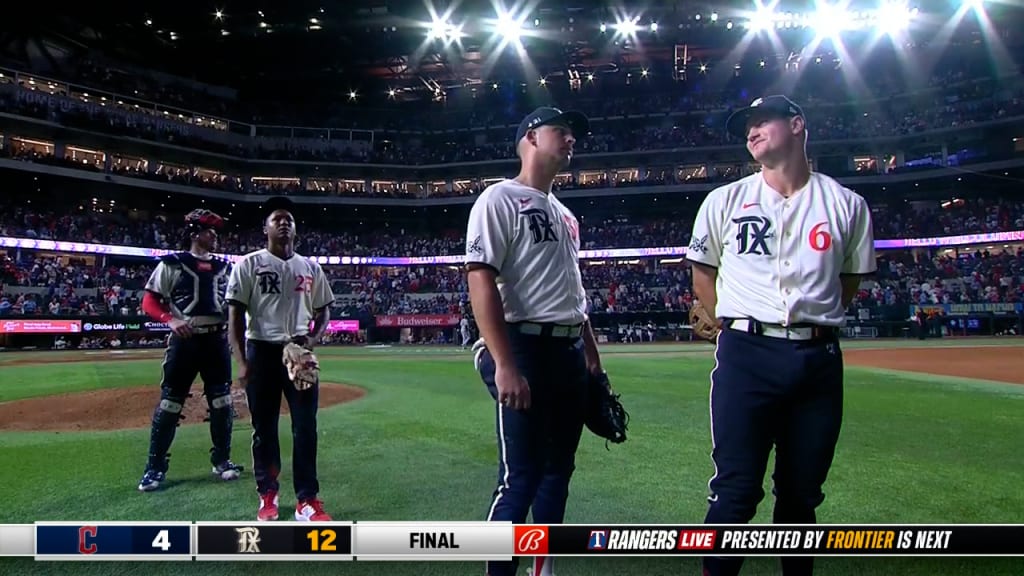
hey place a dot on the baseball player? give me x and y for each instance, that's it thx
(277, 296)
(186, 291)
(525, 287)
(778, 256)
(467, 336)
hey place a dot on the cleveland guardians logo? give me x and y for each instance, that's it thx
(270, 282)
(540, 225)
(86, 535)
(753, 235)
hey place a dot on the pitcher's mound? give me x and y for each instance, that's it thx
(120, 408)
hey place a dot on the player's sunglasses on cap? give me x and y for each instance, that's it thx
(767, 107)
(202, 219)
(547, 116)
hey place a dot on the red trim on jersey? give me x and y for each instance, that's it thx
(156, 308)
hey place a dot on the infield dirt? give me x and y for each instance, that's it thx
(124, 408)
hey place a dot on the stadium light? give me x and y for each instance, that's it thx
(831, 19)
(762, 19)
(509, 27)
(627, 26)
(894, 16)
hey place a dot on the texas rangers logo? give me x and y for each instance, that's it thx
(248, 540)
(540, 225)
(753, 235)
(598, 540)
(270, 282)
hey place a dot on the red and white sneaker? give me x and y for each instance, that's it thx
(268, 507)
(311, 510)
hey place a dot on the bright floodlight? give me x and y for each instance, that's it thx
(508, 27)
(762, 19)
(830, 19)
(627, 26)
(438, 29)
(894, 16)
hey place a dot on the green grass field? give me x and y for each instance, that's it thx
(420, 446)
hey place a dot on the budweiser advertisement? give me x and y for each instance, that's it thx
(343, 326)
(416, 320)
(40, 326)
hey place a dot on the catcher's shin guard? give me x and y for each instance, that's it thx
(165, 423)
(221, 422)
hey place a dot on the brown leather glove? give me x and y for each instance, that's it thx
(704, 323)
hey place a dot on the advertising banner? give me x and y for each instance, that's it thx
(40, 326)
(343, 326)
(967, 308)
(418, 320)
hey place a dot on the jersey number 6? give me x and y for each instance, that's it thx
(820, 239)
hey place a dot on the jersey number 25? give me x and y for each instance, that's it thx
(303, 283)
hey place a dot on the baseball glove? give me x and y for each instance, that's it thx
(605, 415)
(703, 322)
(303, 367)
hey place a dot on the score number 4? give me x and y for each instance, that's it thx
(162, 541)
(322, 540)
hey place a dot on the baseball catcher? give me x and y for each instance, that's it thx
(703, 322)
(303, 367)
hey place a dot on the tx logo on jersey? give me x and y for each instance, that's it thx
(540, 225)
(753, 235)
(270, 282)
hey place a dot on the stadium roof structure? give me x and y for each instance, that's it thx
(420, 49)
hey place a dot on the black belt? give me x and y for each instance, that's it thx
(212, 329)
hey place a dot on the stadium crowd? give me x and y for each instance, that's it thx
(958, 96)
(959, 93)
(66, 286)
(122, 226)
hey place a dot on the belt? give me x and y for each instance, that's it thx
(214, 329)
(794, 332)
(549, 330)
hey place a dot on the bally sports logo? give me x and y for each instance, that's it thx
(531, 540)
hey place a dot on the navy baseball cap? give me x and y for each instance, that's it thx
(547, 116)
(767, 107)
(277, 203)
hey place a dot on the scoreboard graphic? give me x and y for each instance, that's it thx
(113, 541)
(476, 541)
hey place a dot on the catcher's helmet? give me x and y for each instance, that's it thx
(202, 219)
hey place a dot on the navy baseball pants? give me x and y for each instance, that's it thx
(268, 380)
(537, 446)
(206, 355)
(769, 391)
